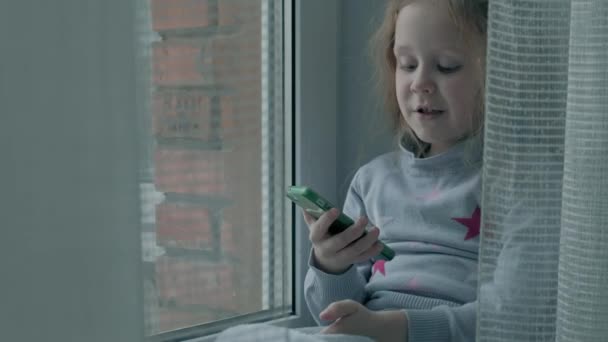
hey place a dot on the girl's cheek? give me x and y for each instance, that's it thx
(464, 83)
(402, 85)
(462, 90)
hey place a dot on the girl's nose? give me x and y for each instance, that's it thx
(422, 83)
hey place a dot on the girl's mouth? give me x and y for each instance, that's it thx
(425, 111)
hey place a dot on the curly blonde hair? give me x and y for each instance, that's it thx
(470, 16)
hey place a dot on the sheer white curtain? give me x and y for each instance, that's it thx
(544, 255)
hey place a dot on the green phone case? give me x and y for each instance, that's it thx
(316, 205)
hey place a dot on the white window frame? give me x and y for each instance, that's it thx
(316, 110)
(311, 103)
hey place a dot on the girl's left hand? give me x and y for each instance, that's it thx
(353, 318)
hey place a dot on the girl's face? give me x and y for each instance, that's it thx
(438, 76)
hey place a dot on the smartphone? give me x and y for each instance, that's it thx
(316, 205)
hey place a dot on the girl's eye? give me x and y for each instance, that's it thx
(448, 69)
(406, 64)
(408, 67)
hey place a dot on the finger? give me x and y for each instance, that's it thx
(360, 246)
(318, 230)
(334, 244)
(373, 251)
(339, 309)
(365, 242)
(308, 218)
(349, 235)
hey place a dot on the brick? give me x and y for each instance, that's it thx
(228, 240)
(196, 172)
(191, 62)
(188, 114)
(189, 226)
(186, 281)
(241, 119)
(180, 63)
(239, 12)
(236, 59)
(241, 231)
(226, 60)
(182, 114)
(241, 238)
(185, 226)
(168, 15)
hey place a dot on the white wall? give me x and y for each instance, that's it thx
(70, 246)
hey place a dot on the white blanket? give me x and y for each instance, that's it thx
(270, 333)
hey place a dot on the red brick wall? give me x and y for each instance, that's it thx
(190, 171)
(182, 114)
(190, 282)
(206, 120)
(180, 14)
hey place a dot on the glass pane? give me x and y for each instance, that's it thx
(211, 106)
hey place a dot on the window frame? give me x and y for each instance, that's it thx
(315, 110)
(311, 105)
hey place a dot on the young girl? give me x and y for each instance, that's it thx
(424, 199)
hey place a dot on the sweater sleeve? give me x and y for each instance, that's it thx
(321, 288)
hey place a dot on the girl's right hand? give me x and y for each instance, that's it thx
(335, 254)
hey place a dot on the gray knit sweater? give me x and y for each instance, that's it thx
(428, 211)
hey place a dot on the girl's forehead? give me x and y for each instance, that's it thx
(427, 24)
(428, 8)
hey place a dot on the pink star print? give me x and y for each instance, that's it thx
(472, 223)
(413, 284)
(434, 194)
(379, 266)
